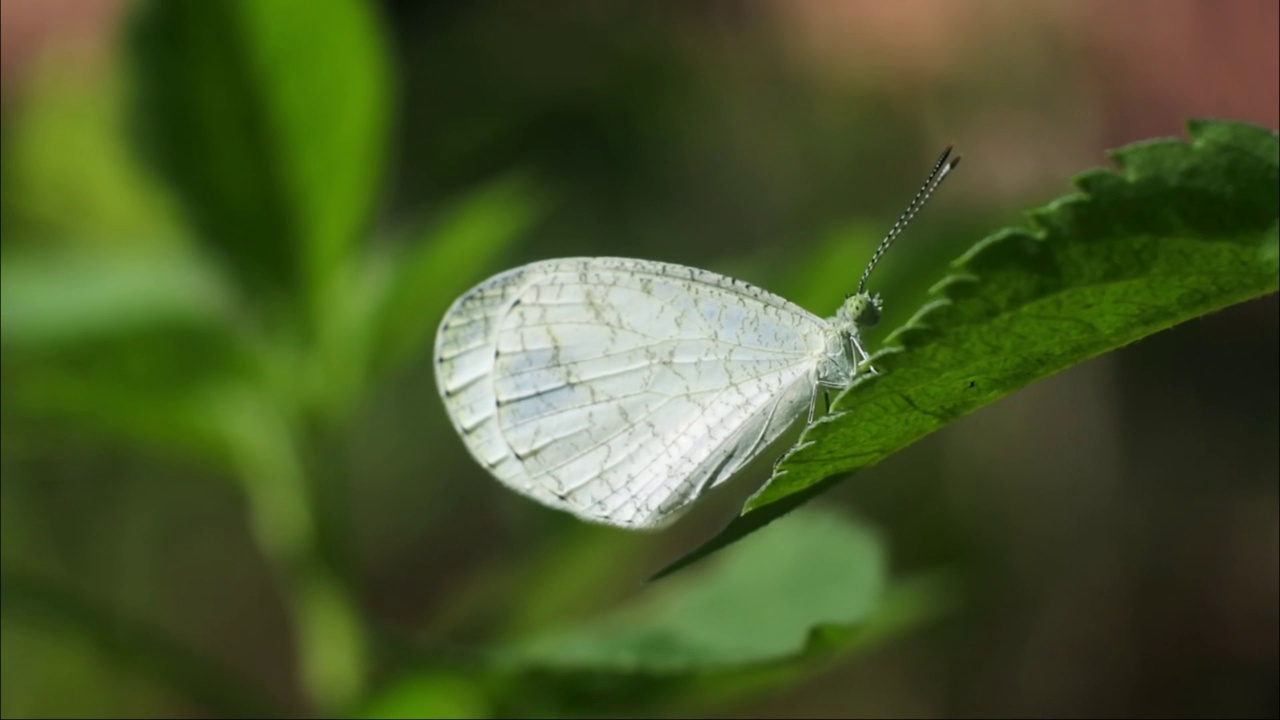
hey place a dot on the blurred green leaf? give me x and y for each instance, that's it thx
(807, 591)
(380, 311)
(157, 418)
(133, 644)
(429, 695)
(138, 346)
(54, 670)
(51, 300)
(1181, 231)
(69, 176)
(904, 607)
(331, 642)
(757, 604)
(420, 281)
(269, 118)
(577, 571)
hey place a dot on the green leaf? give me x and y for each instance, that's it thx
(378, 313)
(69, 176)
(139, 346)
(269, 120)
(428, 695)
(755, 605)
(807, 591)
(53, 300)
(171, 419)
(1182, 230)
(133, 644)
(421, 281)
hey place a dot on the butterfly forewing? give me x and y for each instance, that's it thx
(617, 389)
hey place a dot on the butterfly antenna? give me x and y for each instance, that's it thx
(940, 171)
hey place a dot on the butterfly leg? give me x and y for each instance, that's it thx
(861, 355)
(813, 399)
(825, 388)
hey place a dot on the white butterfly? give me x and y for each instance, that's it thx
(620, 390)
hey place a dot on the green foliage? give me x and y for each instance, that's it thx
(53, 300)
(248, 338)
(1180, 231)
(418, 286)
(704, 624)
(806, 590)
(132, 644)
(68, 177)
(270, 119)
(243, 348)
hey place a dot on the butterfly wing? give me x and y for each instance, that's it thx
(619, 390)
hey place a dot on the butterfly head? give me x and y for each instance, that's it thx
(861, 310)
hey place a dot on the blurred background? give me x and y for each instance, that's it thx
(228, 235)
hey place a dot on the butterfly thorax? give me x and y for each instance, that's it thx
(843, 346)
